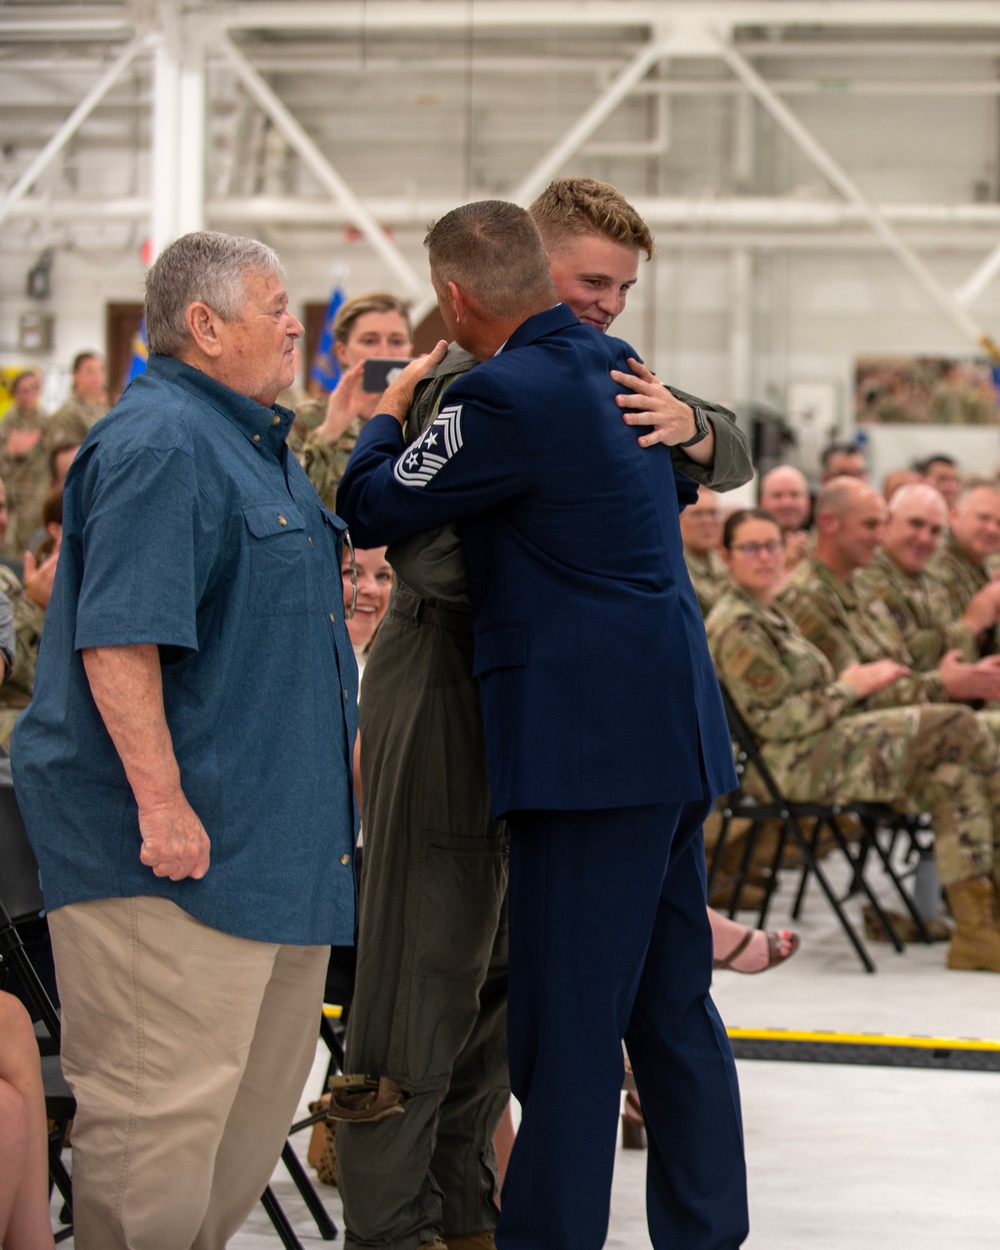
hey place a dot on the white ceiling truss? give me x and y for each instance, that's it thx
(381, 115)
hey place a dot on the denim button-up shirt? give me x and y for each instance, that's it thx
(188, 525)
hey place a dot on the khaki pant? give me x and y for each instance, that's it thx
(187, 1050)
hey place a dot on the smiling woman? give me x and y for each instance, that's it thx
(373, 578)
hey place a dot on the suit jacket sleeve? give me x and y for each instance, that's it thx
(476, 453)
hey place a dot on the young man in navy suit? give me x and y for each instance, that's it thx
(586, 627)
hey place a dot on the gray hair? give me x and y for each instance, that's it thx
(207, 267)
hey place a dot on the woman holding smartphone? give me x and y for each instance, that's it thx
(376, 324)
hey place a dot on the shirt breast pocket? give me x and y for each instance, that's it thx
(279, 584)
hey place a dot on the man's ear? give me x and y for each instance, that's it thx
(203, 325)
(459, 302)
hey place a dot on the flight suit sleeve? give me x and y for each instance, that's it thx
(731, 465)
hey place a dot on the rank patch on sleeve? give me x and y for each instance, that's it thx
(433, 449)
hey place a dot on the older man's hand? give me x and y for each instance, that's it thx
(174, 841)
(398, 396)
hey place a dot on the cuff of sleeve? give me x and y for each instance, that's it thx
(845, 692)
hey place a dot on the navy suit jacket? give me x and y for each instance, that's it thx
(597, 686)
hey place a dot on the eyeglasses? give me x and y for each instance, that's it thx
(751, 550)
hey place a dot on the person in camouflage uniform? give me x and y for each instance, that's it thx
(918, 604)
(88, 401)
(376, 324)
(966, 562)
(27, 619)
(701, 529)
(822, 598)
(824, 741)
(423, 768)
(784, 492)
(25, 412)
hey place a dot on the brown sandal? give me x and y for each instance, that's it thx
(633, 1123)
(775, 955)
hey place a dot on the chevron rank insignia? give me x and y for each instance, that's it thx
(433, 449)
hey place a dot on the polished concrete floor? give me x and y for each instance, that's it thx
(839, 1157)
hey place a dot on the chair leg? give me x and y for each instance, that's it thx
(279, 1219)
(326, 1226)
(812, 866)
(885, 855)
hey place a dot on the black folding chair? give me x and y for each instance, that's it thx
(742, 805)
(21, 900)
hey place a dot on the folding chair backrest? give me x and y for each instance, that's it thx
(742, 735)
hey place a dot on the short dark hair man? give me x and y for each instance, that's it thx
(184, 765)
(942, 472)
(586, 625)
(429, 1003)
(842, 460)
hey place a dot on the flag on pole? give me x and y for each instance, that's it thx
(140, 353)
(324, 368)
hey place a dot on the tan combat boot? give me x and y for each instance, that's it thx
(975, 944)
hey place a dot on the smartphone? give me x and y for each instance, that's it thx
(379, 371)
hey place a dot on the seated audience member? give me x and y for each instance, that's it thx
(26, 412)
(965, 562)
(48, 536)
(701, 529)
(87, 402)
(896, 478)
(377, 324)
(61, 456)
(368, 591)
(918, 603)
(942, 472)
(25, 1223)
(784, 492)
(24, 468)
(23, 604)
(824, 743)
(823, 599)
(842, 460)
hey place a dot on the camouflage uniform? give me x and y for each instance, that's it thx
(72, 421)
(15, 693)
(823, 747)
(325, 462)
(27, 480)
(961, 578)
(17, 418)
(309, 412)
(921, 608)
(709, 577)
(831, 615)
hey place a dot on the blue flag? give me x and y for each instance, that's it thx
(324, 368)
(140, 352)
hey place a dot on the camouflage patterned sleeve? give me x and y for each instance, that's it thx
(810, 612)
(324, 464)
(780, 703)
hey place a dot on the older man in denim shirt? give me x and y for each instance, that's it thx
(184, 767)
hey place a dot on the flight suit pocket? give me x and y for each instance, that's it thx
(278, 572)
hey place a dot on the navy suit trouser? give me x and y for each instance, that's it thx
(609, 940)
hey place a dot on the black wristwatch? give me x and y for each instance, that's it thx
(701, 427)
